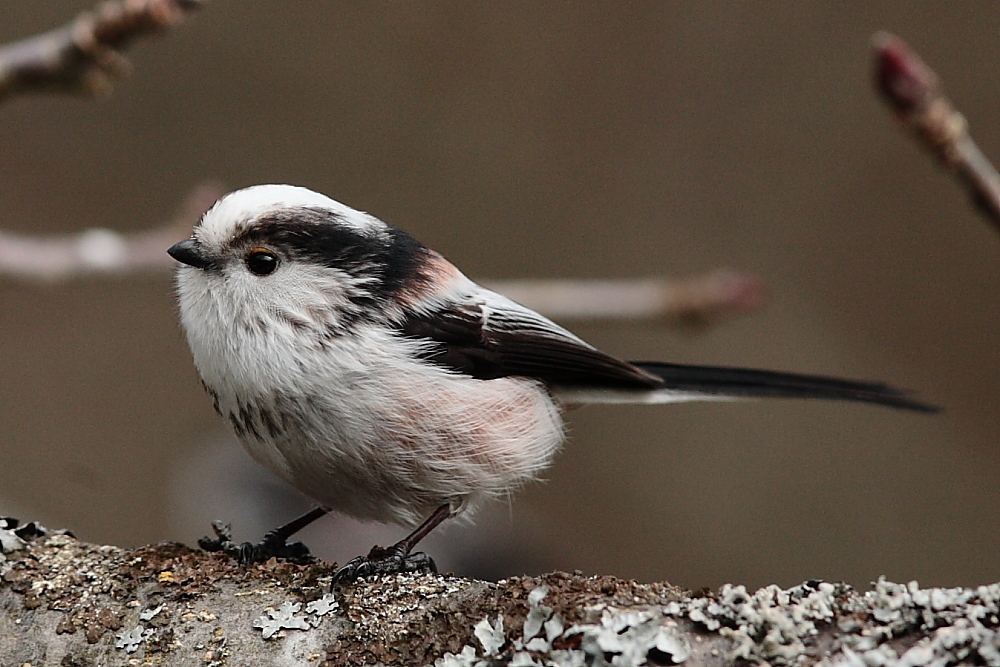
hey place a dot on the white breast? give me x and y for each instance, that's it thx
(357, 423)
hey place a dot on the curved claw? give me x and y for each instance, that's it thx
(293, 552)
(383, 561)
(248, 553)
(275, 543)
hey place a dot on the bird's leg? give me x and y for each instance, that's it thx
(275, 542)
(397, 558)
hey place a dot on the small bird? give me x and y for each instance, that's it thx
(368, 372)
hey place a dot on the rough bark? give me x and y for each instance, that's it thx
(68, 603)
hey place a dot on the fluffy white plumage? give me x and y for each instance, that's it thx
(361, 425)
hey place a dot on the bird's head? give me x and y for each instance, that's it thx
(287, 255)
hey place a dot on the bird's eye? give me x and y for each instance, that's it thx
(261, 261)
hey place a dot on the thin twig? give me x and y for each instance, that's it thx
(102, 251)
(697, 301)
(915, 93)
(85, 55)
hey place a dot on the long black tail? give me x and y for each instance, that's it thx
(721, 381)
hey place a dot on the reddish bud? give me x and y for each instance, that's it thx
(901, 76)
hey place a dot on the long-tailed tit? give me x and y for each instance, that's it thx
(370, 374)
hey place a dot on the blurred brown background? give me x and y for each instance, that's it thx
(548, 139)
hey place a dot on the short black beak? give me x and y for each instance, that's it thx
(188, 252)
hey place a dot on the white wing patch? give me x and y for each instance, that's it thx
(486, 311)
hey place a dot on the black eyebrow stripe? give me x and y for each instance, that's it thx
(389, 255)
(310, 233)
(459, 341)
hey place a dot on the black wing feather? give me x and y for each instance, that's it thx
(513, 343)
(471, 338)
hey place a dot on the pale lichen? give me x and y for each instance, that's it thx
(893, 625)
(282, 618)
(131, 640)
(627, 638)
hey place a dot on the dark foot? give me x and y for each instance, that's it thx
(384, 561)
(273, 545)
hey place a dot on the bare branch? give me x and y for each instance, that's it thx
(85, 56)
(915, 93)
(697, 301)
(102, 251)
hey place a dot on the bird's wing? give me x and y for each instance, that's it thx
(488, 336)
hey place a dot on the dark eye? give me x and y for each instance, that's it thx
(261, 261)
